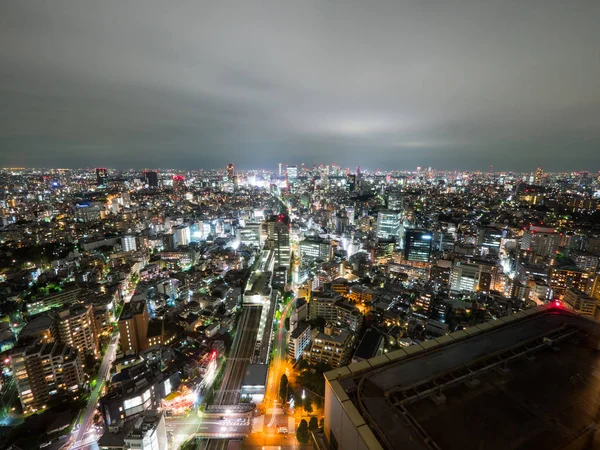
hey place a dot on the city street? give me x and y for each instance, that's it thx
(275, 416)
(81, 440)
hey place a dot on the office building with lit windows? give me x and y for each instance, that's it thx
(464, 277)
(249, 234)
(129, 243)
(315, 248)
(417, 245)
(490, 238)
(388, 224)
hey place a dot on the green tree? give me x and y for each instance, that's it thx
(302, 365)
(302, 432)
(283, 388)
(298, 398)
(286, 323)
(308, 405)
(313, 424)
(318, 402)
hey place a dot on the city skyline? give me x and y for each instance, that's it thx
(452, 85)
(346, 168)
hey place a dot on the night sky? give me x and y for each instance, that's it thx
(384, 84)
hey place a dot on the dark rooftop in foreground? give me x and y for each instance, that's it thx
(526, 381)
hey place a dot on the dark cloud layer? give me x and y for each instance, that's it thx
(395, 84)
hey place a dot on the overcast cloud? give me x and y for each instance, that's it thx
(392, 84)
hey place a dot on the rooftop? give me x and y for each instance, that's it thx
(523, 381)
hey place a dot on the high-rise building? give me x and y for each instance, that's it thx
(333, 308)
(332, 347)
(133, 326)
(76, 327)
(564, 276)
(280, 172)
(299, 340)
(541, 241)
(539, 175)
(464, 277)
(178, 186)
(388, 224)
(181, 235)
(42, 371)
(417, 245)
(250, 234)
(230, 172)
(128, 243)
(292, 173)
(102, 177)
(490, 238)
(395, 201)
(151, 178)
(278, 239)
(350, 182)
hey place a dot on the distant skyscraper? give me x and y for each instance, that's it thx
(539, 175)
(230, 172)
(280, 170)
(151, 178)
(178, 186)
(292, 173)
(417, 245)
(101, 177)
(395, 201)
(351, 182)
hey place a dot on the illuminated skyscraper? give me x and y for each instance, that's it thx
(278, 239)
(101, 177)
(292, 173)
(178, 186)
(230, 172)
(539, 174)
